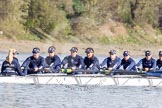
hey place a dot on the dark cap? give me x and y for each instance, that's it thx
(126, 53)
(160, 53)
(112, 52)
(74, 49)
(89, 50)
(51, 49)
(147, 53)
(36, 50)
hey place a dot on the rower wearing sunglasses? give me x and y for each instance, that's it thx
(148, 63)
(112, 62)
(53, 62)
(34, 64)
(91, 62)
(159, 62)
(73, 61)
(127, 62)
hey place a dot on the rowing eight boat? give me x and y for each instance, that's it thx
(84, 79)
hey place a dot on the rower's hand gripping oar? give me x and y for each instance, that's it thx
(68, 71)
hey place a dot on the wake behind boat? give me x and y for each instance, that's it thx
(84, 79)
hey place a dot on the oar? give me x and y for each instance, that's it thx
(154, 73)
(50, 70)
(126, 72)
(80, 71)
(102, 71)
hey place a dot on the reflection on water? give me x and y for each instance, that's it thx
(57, 96)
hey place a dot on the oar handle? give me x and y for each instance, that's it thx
(66, 71)
(102, 71)
(83, 71)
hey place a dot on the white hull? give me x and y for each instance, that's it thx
(85, 79)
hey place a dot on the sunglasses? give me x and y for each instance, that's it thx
(148, 55)
(50, 51)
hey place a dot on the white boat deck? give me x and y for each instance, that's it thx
(84, 79)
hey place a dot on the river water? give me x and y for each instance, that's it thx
(61, 96)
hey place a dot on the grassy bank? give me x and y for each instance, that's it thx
(103, 24)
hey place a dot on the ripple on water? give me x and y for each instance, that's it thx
(49, 96)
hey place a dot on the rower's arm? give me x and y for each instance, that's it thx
(64, 61)
(56, 65)
(2, 68)
(117, 65)
(130, 66)
(18, 69)
(42, 64)
(81, 66)
(25, 64)
(139, 63)
(96, 65)
(103, 63)
(154, 66)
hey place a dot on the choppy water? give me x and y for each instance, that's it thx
(59, 96)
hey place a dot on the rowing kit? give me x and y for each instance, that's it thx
(118, 78)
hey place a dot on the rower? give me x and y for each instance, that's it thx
(127, 62)
(11, 65)
(148, 63)
(35, 63)
(73, 61)
(112, 62)
(53, 62)
(90, 61)
(159, 61)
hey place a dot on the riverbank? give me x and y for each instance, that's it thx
(25, 46)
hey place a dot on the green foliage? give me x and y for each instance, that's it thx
(78, 6)
(48, 17)
(105, 40)
(124, 11)
(79, 20)
(147, 11)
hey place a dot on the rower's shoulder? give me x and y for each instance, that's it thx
(96, 58)
(132, 59)
(41, 57)
(29, 58)
(118, 58)
(154, 60)
(78, 56)
(57, 57)
(67, 56)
